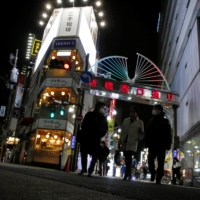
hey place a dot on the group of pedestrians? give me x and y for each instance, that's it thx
(157, 140)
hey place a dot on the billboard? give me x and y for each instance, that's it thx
(69, 22)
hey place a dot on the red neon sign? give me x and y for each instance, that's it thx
(124, 88)
(108, 85)
(170, 97)
(93, 83)
(155, 94)
(140, 91)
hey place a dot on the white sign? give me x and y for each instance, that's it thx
(3, 111)
(18, 98)
(85, 86)
(70, 127)
(58, 82)
(86, 39)
(52, 124)
(69, 22)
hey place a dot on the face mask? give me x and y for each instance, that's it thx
(101, 110)
(154, 112)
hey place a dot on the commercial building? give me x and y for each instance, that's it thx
(48, 123)
(179, 59)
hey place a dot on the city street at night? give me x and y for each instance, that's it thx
(24, 182)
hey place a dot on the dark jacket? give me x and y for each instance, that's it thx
(94, 127)
(103, 153)
(158, 133)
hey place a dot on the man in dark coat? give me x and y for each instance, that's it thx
(94, 127)
(158, 140)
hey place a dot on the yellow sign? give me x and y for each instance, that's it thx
(36, 47)
(111, 124)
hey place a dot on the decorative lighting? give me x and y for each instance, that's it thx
(119, 130)
(52, 93)
(103, 23)
(44, 15)
(108, 118)
(47, 136)
(115, 135)
(71, 109)
(66, 140)
(98, 3)
(38, 136)
(63, 93)
(53, 57)
(41, 23)
(76, 62)
(78, 68)
(73, 116)
(114, 112)
(73, 57)
(55, 136)
(48, 6)
(100, 14)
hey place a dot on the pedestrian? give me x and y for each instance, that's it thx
(94, 127)
(103, 154)
(107, 166)
(123, 168)
(158, 140)
(132, 131)
(176, 168)
(133, 165)
(145, 170)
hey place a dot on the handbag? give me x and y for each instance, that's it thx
(177, 165)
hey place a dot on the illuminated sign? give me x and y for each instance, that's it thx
(64, 43)
(170, 97)
(36, 47)
(140, 91)
(93, 83)
(155, 94)
(124, 88)
(73, 142)
(108, 85)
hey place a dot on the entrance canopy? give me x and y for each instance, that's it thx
(148, 86)
(130, 92)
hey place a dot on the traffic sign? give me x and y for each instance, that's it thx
(86, 77)
(79, 117)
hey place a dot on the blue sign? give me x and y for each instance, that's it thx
(64, 43)
(86, 77)
(73, 142)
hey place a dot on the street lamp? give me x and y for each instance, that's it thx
(98, 3)
(101, 14)
(44, 15)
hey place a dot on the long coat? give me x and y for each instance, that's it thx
(158, 134)
(94, 127)
(131, 133)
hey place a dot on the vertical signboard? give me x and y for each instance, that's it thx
(86, 39)
(69, 22)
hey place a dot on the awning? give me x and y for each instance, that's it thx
(26, 121)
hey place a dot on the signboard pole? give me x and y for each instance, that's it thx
(74, 156)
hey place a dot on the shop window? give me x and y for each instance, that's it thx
(49, 140)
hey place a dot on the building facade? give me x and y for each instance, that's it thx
(179, 59)
(47, 128)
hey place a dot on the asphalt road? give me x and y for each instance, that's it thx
(24, 182)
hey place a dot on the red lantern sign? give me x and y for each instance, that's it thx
(155, 94)
(93, 83)
(170, 97)
(124, 88)
(108, 85)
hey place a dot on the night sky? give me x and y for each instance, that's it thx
(131, 27)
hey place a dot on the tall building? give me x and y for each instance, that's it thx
(179, 59)
(48, 122)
